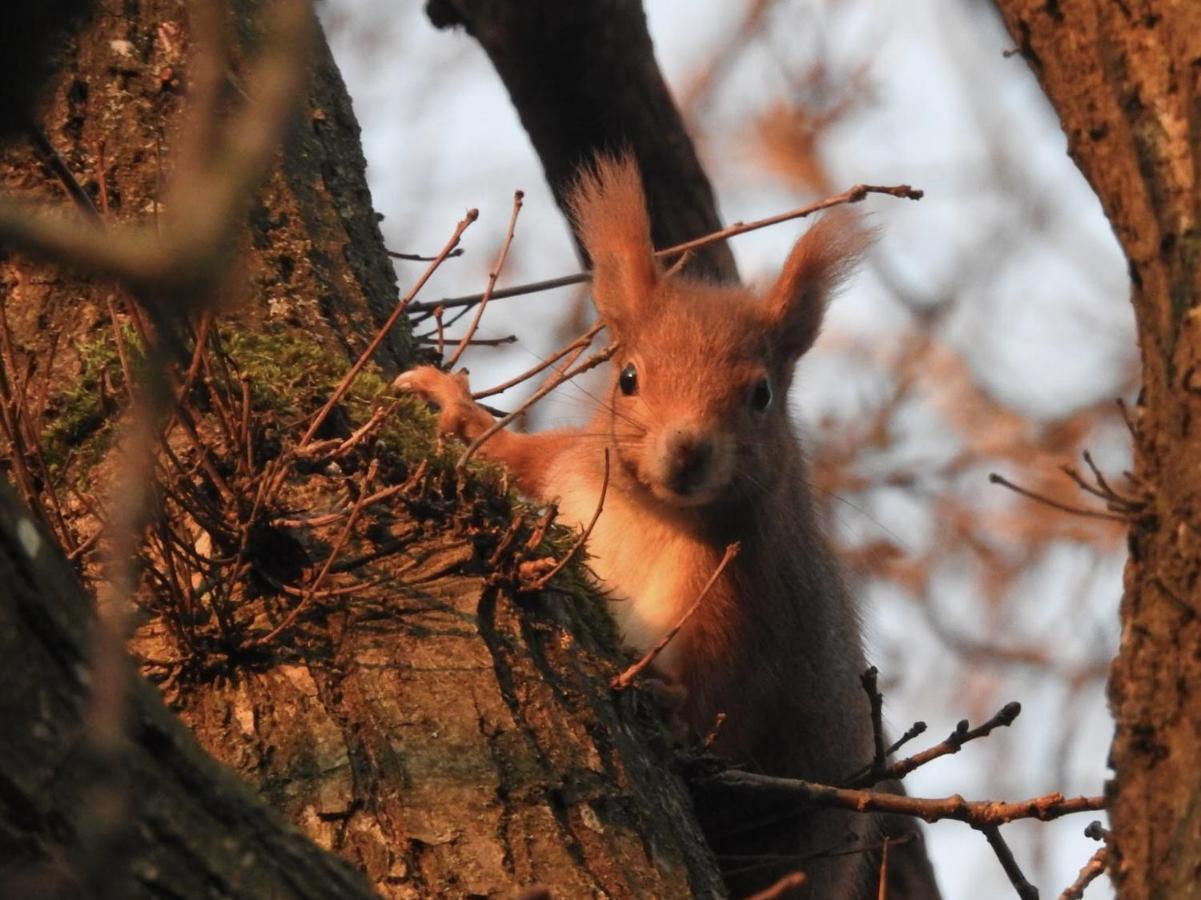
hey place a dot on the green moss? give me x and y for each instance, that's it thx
(81, 424)
(290, 373)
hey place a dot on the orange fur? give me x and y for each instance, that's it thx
(608, 210)
(700, 460)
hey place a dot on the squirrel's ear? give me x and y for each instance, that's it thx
(816, 267)
(608, 208)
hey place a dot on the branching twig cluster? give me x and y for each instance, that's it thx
(985, 816)
(854, 194)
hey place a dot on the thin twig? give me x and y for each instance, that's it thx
(851, 195)
(439, 332)
(119, 342)
(994, 478)
(492, 276)
(331, 593)
(377, 418)
(579, 542)
(330, 518)
(957, 738)
(1025, 889)
(17, 421)
(417, 257)
(111, 675)
(679, 264)
(339, 543)
(551, 383)
(977, 813)
(625, 679)
(532, 287)
(247, 442)
(789, 882)
(915, 729)
(63, 172)
(102, 178)
(386, 328)
(1088, 459)
(869, 681)
(438, 340)
(1091, 870)
(1128, 419)
(581, 343)
(882, 889)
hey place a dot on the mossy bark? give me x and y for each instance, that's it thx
(1125, 79)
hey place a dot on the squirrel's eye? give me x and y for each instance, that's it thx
(761, 395)
(628, 380)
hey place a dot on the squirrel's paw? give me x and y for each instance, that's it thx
(460, 415)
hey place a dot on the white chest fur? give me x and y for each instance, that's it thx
(642, 562)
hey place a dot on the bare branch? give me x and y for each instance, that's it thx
(781, 888)
(957, 738)
(994, 478)
(492, 276)
(625, 679)
(417, 257)
(580, 344)
(382, 333)
(977, 813)
(1091, 870)
(343, 536)
(851, 195)
(551, 383)
(579, 542)
(1013, 871)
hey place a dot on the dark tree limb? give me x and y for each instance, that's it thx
(583, 79)
(193, 827)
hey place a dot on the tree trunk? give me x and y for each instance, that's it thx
(1125, 79)
(445, 732)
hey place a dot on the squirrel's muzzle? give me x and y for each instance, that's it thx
(688, 463)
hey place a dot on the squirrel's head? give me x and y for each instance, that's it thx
(699, 385)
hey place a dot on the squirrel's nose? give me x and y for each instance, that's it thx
(688, 458)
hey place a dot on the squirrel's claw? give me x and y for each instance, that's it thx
(460, 414)
(431, 383)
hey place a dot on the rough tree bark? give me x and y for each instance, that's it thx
(1125, 79)
(449, 736)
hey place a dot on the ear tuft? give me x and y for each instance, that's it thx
(817, 266)
(608, 209)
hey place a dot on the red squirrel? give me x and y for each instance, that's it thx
(703, 454)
